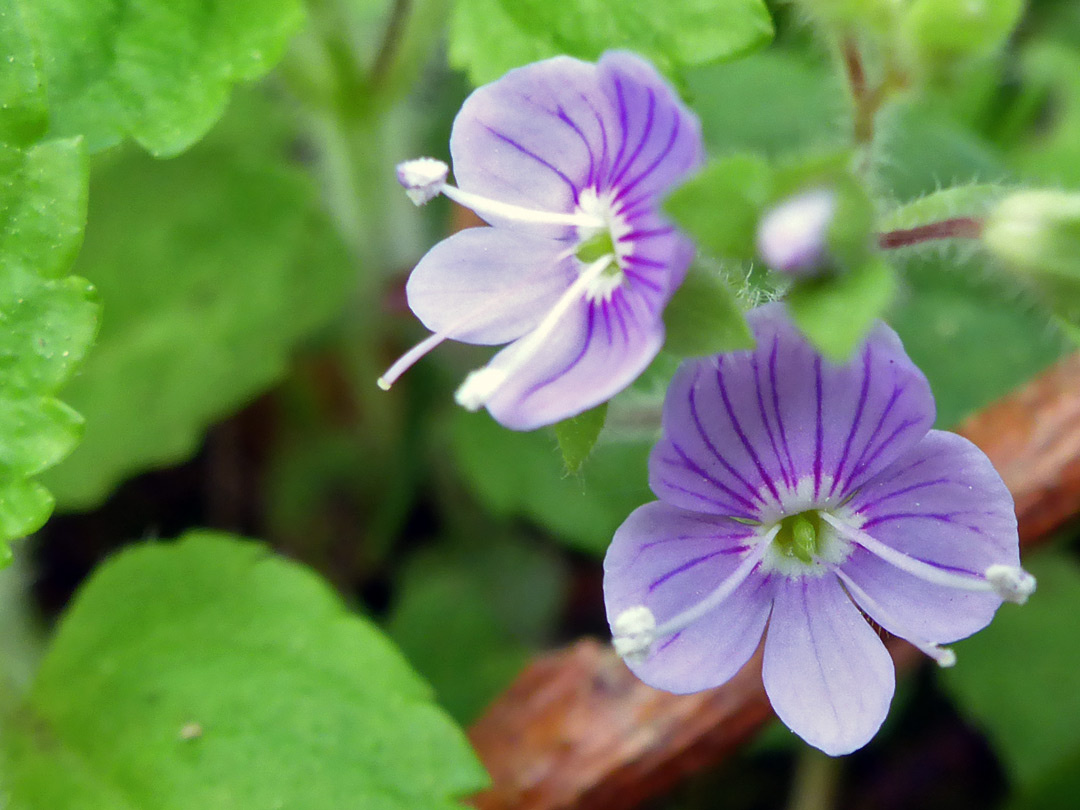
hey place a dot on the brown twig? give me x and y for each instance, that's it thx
(577, 731)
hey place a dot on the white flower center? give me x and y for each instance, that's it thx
(606, 239)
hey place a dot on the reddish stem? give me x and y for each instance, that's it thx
(958, 228)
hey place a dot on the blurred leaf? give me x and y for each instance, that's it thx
(1017, 678)
(521, 475)
(704, 318)
(941, 32)
(487, 37)
(974, 337)
(159, 71)
(505, 595)
(739, 104)
(837, 311)
(486, 41)
(208, 673)
(23, 112)
(578, 434)
(49, 321)
(919, 150)
(1051, 154)
(214, 266)
(720, 206)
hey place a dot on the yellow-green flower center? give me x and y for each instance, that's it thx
(800, 536)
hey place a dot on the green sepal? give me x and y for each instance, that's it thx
(703, 317)
(720, 206)
(837, 311)
(577, 436)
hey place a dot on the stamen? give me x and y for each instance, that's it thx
(943, 656)
(425, 178)
(482, 384)
(406, 361)
(635, 629)
(1013, 584)
(1010, 583)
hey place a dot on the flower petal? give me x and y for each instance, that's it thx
(599, 348)
(668, 560)
(828, 676)
(488, 285)
(944, 504)
(747, 429)
(654, 141)
(534, 137)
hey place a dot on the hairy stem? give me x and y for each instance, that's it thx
(956, 228)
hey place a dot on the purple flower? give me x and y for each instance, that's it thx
(795, 496)
(567, 161)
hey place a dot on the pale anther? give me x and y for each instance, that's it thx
(423, 178)
(1011, 583)
(633, 632)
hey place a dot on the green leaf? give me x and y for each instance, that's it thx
(578, 434)
(704, 318)
(49, 321)
(486, 41)
(720, 206)
(1051, 152)
(159, 71)
(214, 265)
(1030, 710)
(943, 31)
(739, 102)
(506, 596)
(23, 111)
(521, 475)
(485, 33)
(224, 677)
(837, 311)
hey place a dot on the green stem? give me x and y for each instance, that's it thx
(817, 777)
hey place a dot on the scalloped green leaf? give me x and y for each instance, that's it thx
(23, 111)
(158, 71)
(215, 265)
(48, 321)
(209, 673)
(488, 37)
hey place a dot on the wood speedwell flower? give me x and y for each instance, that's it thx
(567, 161)
(798, 497)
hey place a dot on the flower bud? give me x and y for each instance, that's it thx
(1037, 232)
(793, 237)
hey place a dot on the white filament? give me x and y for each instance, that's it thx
(1010, 583)
(483, 383)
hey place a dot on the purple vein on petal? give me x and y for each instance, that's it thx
(515, 145)
(623, 128)
(686, 566)
(602, 168)
(644, 261)
(940, 517)
(863, 466)
(856, 421)
(641, 279)
(700, 426)
(650, 116)
(788, 481)
(590, 327)
(897, 390)
(819, 434)
(765, 477)
(656, 161)
(695, 468)
(776, 406)
(906, 490)
(566, 119)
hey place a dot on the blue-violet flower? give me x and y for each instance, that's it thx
(567, 161)
(795, 497)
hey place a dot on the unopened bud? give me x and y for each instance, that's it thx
(793, 237)
(1037, 232)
